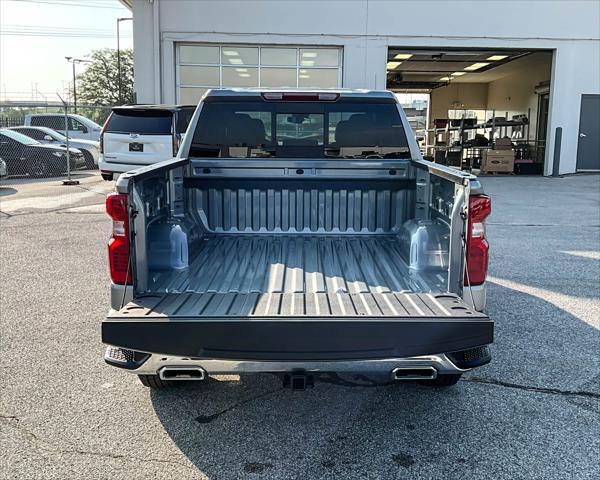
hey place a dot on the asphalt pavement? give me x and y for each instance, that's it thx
(534, 412)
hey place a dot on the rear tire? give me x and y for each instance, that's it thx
(107, 176)
(154, 381)
(446, 380)
(89, 160)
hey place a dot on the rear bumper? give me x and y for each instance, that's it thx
(105, 165)
(155, 363)
(297, 339)
(111, 167)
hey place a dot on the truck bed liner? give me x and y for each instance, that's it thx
(298, 264)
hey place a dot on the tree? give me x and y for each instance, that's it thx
(99, 84)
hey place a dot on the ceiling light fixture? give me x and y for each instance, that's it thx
(403, 56)
(230, 53)
(458, 74)
(476, 66)
(496, 58)
(309, 54)
(245, 75)
(307, 63)
(445, 79)
(235, 61)
(392, 65)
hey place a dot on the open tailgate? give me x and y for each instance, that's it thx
(279, 326)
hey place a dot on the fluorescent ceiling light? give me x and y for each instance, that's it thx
(445, 79)
(230, 53)
(245, 75)
(495, 58)
(304, 76)
(392, 65)
(476, 66)
(403, 56)
(303, 71)
(236, 61)
(307, 63)
(309, 54)
(241, 69)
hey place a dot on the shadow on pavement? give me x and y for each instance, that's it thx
(77, 175)
(232, 429)
(5, 191)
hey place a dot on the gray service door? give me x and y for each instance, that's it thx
(588, 148)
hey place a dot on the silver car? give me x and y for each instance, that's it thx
(89, 148)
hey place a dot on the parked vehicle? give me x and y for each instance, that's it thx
(89, 148)
(79, 126)
(3, 170)
(298, 233)
(135, 136)
(25, 156)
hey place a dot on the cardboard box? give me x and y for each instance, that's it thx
(498, 161)
(503, 144)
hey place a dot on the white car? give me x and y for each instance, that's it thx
(139, 135)
(79, 126)
(89, 148)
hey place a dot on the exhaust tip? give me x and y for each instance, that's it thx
(181, 373)
(414, 373)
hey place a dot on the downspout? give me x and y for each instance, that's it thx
(156, 50)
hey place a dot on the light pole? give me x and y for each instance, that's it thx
(119, 20)
(73, 61)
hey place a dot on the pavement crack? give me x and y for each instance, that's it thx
(214, 416)
(530, 388)
(12, 421)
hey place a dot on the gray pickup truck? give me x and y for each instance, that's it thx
(300, 234)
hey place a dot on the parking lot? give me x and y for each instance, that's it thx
(532, 413)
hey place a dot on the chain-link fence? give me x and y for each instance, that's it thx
(34, 138)
(13, 114)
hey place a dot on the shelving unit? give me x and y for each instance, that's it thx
(451, 142)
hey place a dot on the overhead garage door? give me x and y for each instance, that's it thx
(204, 66)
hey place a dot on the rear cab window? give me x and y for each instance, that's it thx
(344, 128)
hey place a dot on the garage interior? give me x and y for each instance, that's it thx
(478, 110)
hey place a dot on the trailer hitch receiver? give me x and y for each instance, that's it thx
(298, 380)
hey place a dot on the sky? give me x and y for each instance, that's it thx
(33, 67)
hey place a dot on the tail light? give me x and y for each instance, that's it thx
(176, 143)
(480, 207)
(102, 133)
(118, 245)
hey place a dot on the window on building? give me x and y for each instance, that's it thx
(201, 67)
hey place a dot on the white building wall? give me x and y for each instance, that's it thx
(365, 28)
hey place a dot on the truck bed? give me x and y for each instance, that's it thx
(268, 275)
(297, 298)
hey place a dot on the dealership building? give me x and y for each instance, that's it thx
(467, 72)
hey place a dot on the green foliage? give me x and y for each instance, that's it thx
(99, 84)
